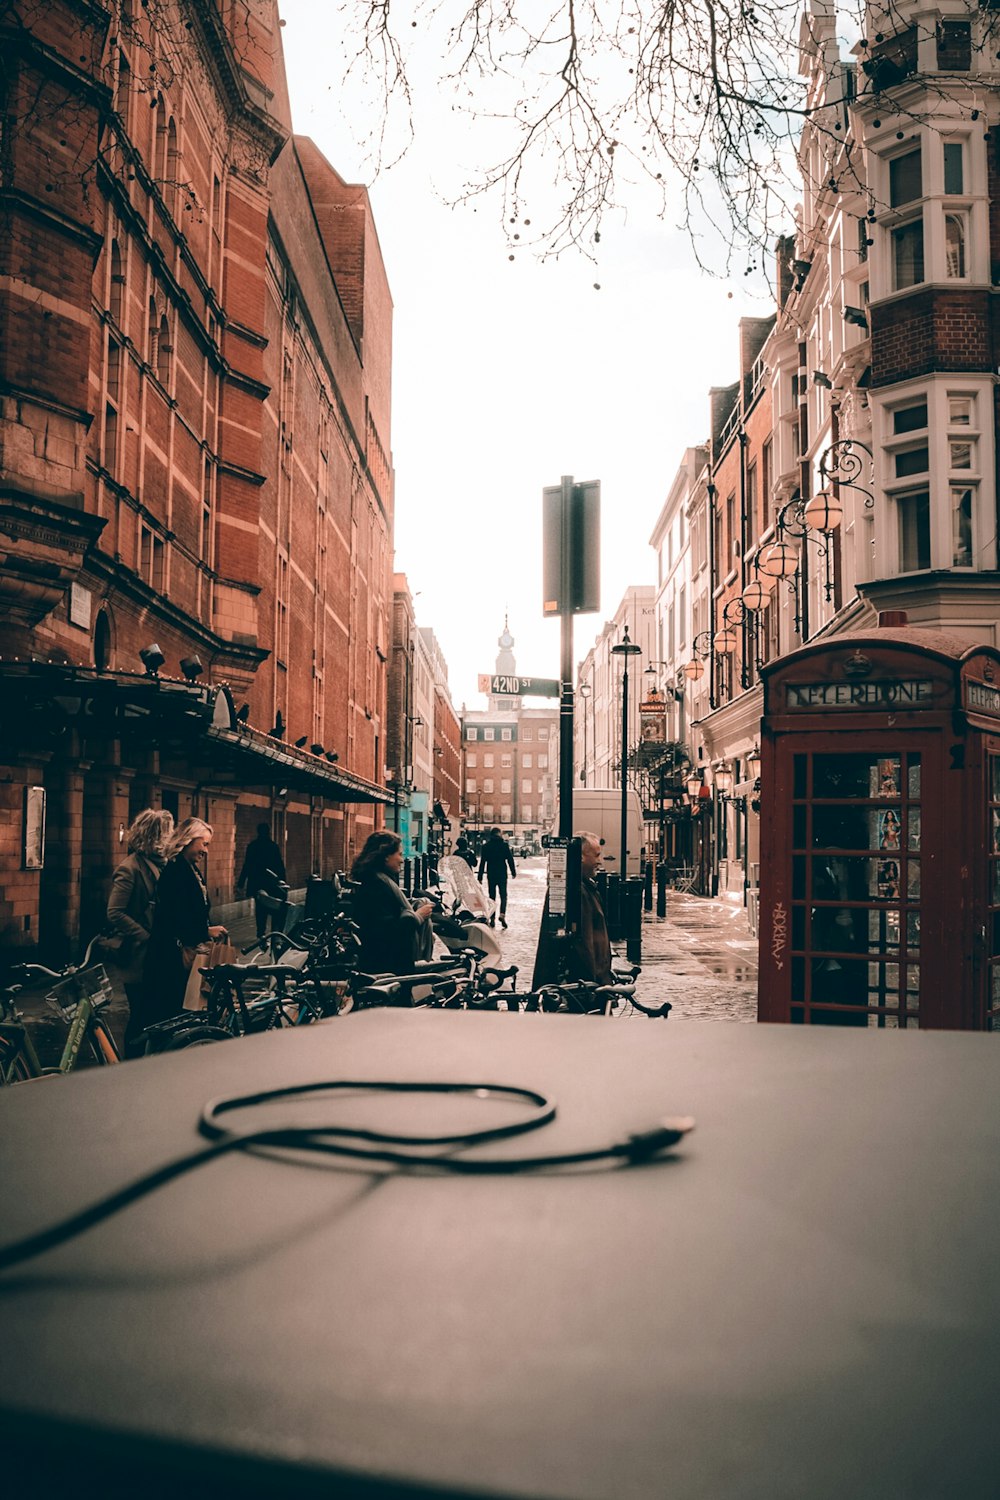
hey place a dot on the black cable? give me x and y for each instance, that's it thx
(331, 1140)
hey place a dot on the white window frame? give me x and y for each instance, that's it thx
(941, 479)
(934, 208)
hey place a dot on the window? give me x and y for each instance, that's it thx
(164, 349)
(908, 254)
(526, 814)
(543, 762)
(526, 761)
(961, 526)
(912, 461)
(470, 783)
(505, 788)
(117, 290)
(470, 760)
(954, 245)
(489, 734)
(489, 762)
(905, 179)
(527, 734)
(751, 521)
(526, 786)
(960, 454)
(959, 411)
(954, 170)
(488, 812)
(910, 418)
(543, 733)
(488, 784)
(506, 760)
(505, 812)
(472, 734)
(151, 558)
(506, 734)
(954, 47)
(914, 530)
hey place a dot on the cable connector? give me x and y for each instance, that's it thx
(647, 1143)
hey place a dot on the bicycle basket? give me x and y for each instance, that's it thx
(91, 984)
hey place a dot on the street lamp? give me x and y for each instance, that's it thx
(625, 649)
(585, 692)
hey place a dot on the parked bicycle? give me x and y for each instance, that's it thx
(80, 994)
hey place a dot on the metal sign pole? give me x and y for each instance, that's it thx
(566, 668)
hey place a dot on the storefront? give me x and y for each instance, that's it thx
(880, 834)
(83, 750)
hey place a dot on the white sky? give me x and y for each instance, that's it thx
(508, 375)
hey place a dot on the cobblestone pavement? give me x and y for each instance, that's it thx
(700, 956)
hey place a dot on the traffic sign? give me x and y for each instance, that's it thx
(518, 687)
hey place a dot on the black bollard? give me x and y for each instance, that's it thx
(647, 886)
(661, 889)
(613, 908)
(407, 877)
(632, 919)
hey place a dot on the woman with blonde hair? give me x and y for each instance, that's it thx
(132, 902)
(180, 922)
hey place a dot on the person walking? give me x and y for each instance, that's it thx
(131, 904)
(394, 933)
(180, 923)
(495, 860)
(263, 874)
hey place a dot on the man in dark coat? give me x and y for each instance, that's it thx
(495, 861)
(263, 874)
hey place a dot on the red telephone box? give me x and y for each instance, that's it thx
(880, 833)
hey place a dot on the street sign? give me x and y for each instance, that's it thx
(518, 687)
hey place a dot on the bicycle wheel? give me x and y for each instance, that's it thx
(15, 1069)
(197, 1036)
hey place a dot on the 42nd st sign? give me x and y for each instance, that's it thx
(518, 687)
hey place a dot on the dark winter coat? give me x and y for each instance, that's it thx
(263, 866)
(179, 921)
(495, 858)
(391, 931)
(130, 911)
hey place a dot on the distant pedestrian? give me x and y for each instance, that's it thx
(463, 851)
(131, 904)
(495, 861)
(263, 875)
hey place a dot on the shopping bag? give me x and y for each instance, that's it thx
(199, 985)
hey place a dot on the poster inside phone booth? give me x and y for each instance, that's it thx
(880, 833)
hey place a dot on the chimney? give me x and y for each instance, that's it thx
(891, 619)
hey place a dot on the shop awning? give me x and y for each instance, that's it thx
(192, 725)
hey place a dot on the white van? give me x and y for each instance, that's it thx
(599, 810)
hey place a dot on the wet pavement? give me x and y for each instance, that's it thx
(700, 956)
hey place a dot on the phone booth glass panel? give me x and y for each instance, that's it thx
(873, 844)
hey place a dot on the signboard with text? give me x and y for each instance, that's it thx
(915, 692)
(518, 687)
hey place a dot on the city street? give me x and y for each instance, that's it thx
(699, 956)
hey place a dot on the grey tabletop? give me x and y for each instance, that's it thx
(802, 1300)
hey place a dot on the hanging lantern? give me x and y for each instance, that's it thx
(693, 786)
(693, 669)
(823, 512)
(780, 561)
(755, 595)
(722, 779)
(724, 640)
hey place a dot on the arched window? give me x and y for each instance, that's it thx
(160, 141)
(152, 333)
(102, 641)
(164, 350)
(117, 292)
(173, 169)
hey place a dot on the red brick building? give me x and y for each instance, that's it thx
(195, 343)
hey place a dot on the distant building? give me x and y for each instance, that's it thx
(510, 761)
